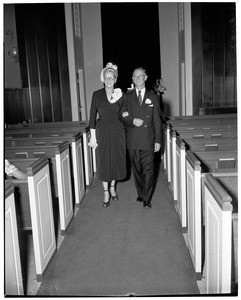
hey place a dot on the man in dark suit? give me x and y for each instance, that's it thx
(143, 130)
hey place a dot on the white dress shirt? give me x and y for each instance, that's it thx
(142, 93)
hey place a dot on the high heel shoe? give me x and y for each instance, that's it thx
(106, 203)
(114, 198)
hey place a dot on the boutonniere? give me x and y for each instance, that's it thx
(148, 101)
(116, 95)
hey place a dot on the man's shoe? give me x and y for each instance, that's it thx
(147, 204)
(139, 199)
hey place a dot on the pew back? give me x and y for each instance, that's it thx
(59, 160)
(218, 232)
(13, 269)
(57, 132)
(41, 212)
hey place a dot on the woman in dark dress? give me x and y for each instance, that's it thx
(108, 133)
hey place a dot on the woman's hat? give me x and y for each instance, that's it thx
(111, 67)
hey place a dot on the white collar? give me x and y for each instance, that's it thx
(142, 92)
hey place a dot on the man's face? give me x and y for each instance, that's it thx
(139, 78)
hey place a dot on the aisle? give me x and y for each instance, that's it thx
(123, 249)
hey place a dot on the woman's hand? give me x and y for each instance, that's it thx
(92, 143)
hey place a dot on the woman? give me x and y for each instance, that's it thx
(108, 133)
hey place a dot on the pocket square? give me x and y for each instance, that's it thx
(148, 101)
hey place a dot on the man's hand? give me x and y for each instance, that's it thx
(137, 122)
(125, 114)
(157, 147)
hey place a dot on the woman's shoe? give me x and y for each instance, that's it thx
(113, 197)
(106, 203)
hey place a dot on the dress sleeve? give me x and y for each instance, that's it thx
(93, 112)
(128, 120)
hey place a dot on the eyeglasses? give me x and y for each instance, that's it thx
(139, 76)
(109, 78)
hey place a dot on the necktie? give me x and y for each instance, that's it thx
(139, 97)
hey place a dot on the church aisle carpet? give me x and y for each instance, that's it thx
(122, 249)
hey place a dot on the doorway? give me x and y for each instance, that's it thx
(130, 36)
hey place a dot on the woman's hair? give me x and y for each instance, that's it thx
(109, 68)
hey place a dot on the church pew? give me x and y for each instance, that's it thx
(221, 120)
(13, 269)
(201, 117)
(36, 196)
(179, 145)
(170, 137)
(59, 160)
(47, 124)
(197, 165)
(188, 126)
(61, 130)
(221, 247)
(75, 142)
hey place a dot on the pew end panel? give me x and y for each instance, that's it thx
(22, 203)
(64, 186)
(218, 237)
(173, 181)
(44, 239)
(13, 269)
(194, 232)
(78, 169)
(167, 152)
(229, 181)
(164, 138)
(180, 182)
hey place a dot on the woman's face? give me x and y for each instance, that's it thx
(110, 79)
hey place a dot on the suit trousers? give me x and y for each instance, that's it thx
(142, 162)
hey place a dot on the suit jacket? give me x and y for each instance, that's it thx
(143, 137)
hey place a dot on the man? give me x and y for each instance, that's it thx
(143, 130)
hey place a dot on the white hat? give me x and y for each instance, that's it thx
(112, 68)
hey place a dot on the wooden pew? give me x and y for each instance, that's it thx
(13, 269)
(59, 160)
(201, 117)
(221, 214)
(197, 165)
(47, 124)
(49, 129)
(75, 142)
(37, 196)
(170, 139)
(177, 159)
(203, 124)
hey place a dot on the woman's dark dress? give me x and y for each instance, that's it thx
(110, 136)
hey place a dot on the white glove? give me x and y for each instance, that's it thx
(93, 143)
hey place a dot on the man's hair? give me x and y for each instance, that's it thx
(139, 68)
